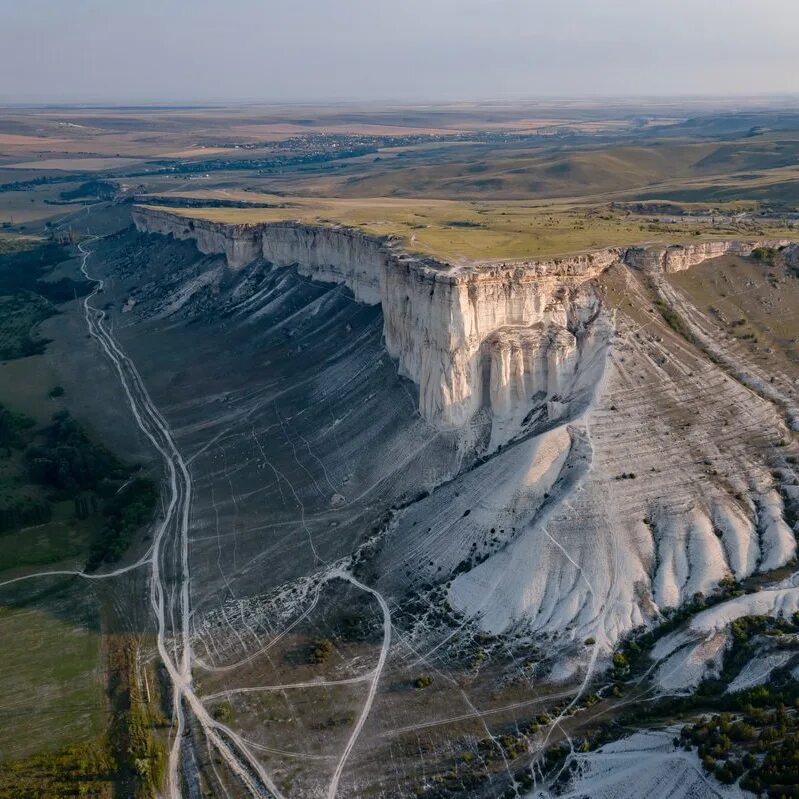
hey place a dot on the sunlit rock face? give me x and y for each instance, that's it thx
(479, 336)
(446, 327)
(525, 361)
(677, 257)
(483, 336)
(330, 255)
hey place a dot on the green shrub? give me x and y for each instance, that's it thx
(322, 649)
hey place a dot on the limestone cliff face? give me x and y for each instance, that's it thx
(526, 360)
(470, 337)
(677, 257)
(447, 328)
(479, 336)
(240, 244)
(331, 255)
(335, 255)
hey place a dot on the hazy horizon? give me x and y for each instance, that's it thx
(743, 102)
(175, 52)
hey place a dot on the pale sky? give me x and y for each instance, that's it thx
(411, 50)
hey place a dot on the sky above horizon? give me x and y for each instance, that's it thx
(404, 50)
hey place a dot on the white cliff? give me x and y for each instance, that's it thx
(677, 257)
(471, 337)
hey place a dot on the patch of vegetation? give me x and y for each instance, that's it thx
(17, 508)
(322, 649)
(65, 461)
(92, 189)
(637, 649)
(768, 255)
(758, 746)
(141, 755)
(63, 496)
(20, 314)
(52, 651)
(128, 760)
(423, 681)
(353, 628)
(125, 512)
(14, 429)
(751, 735)
(26, 299)
(332, 722)
(223, 712)
(59, 464)
(23, 270)
(489, 758)
(16, 512)
(673, 320)
(85, 769)
(13, 243)
(463, 223)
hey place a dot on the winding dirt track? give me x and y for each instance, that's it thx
(171, 608)
(169, 555)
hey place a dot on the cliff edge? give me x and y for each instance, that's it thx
(470, 336)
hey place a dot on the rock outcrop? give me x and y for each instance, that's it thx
(677, 257)
(471, 337)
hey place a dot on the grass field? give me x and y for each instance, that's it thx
(25, 385)
(482, 230)
(55, 726)
(11, 242)
(51, 687)
(19, 316)
(662, 168)
(757, 302)
(59, 542)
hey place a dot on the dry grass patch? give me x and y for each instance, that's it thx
(480, 230)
